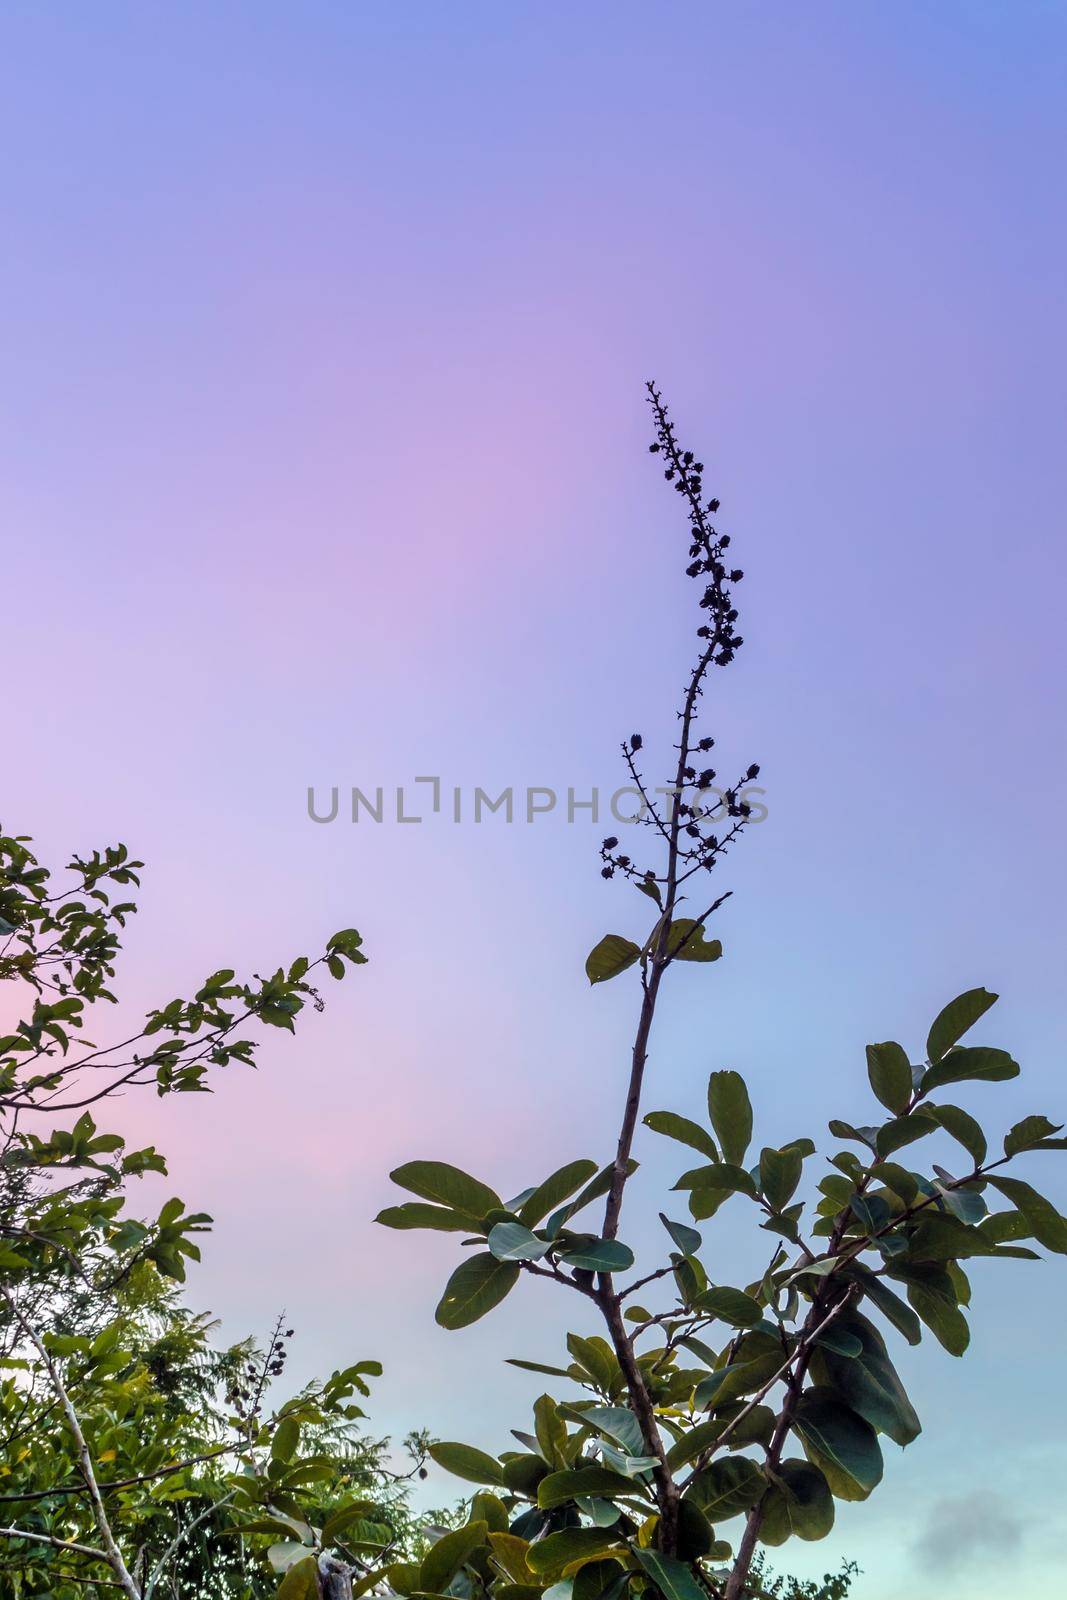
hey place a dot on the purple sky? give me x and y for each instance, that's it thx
(323, 462)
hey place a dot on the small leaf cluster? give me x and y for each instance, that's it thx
(769, 1401)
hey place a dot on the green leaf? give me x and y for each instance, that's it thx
(600, 1255)
(1046, 1224)
(799, 1502)
(445, 1558)
(610, 957)
(963, 1128)
(889, 1304)
(779, 1174)
(755, 1427)
(596, 1580)
(300, 1582)
(551, 1431)
(953, 1022)
(286, 1438)
(510, 1241)
(839, 1442)
(845, 1130)
(868, 1381)
(559, 1487)
(728, 1486)
(522, 1474)
(550, 1555)
(413, 1215)
(343, 1518)
(673, 1578)
(889, 1070)
(619, 1423)
(687, 1239)
(594, 1190)
(1029, 1134)
(740, 1310)
(555, 1189)
(719, 1175)
(464, 1461)
(479, 1284)
(731, 1114)
(903, 1130)
(672, 1126)
(979, 1063)
(595, 1357)
(931, 1293)
(686, 942)
(447, 1186)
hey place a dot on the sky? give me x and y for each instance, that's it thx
(323, 462)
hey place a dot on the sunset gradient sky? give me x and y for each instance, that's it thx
(324, 331)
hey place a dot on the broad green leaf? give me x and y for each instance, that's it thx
(953, 1022)
(1029, 1134)
(300, 1582)
(836, 1339)
(740, 1310)
(687, 1239)
(799, 1502)
(889, 1070)
(930, 1291)
(344, 1517)
(868, 1381)
(1046, 1224)
(619, 1423)
(597, 1580)
(523, 1473)
(414, 1215)
(779, 1174)
(903, 1130)
(447, 1186)
(696, 1536)
(551, 1554)
(755, 1427)
(510, 1552)
(673, 1578)
(889, 1304)
(727, 1486)
(479, 1284)
(845, 1130)
(898, 1180)
(733, 1381)
(551, 1431)
(979, 1063)
(672, 1126)
(719, 1175)
(600, 1255)
(445, 1558)
(610, 957)
(510, 1241)
(559, 1487)
(839, 1442)
(595, 1189)
(286, 1438)
(1006, 1227)
(966, 1204)
(555, 1189)
(731, 1114)
(464, 1461)
(596, 1357)
(963, 1128)
(686, 941)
